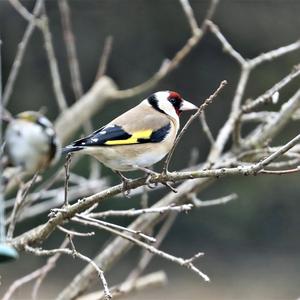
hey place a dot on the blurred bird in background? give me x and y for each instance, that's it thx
(31, 143)
(138, 138)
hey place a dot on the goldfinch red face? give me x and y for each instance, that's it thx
(170, 103)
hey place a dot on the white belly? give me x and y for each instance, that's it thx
(115, 158)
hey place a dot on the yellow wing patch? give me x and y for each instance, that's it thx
(143, 134)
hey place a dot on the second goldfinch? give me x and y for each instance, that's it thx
(138, 138)
(31, 142)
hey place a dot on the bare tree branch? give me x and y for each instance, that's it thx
(223, 200)
(206, 129)
(56, 80)
(22, 10)
(107, 226)
(71, 48)
(246, 67)
(136, 212)
(20, 53)
(267, 96)
(105, 57)
(227, 47)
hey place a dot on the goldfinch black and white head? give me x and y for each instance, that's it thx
(138, 138)
(31, 142)
(169, 103)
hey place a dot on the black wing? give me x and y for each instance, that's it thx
(114, 135)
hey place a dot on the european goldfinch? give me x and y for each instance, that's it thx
(31, 142)
(138, 138)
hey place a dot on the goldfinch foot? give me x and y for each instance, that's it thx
(149, 184)
(153, 185)
(150, 175)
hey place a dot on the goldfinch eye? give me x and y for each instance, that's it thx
(176, 102)
(175, 99)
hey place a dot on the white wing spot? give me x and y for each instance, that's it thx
(95, 140)
(83, 143)
(102, 132)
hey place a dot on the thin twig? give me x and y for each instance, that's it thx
(19, 204)
(190, 15)
(67, 177)
(211, 11)
(267, 96)
(20, 53)
(201, 108)
(75, 233)
(22, 10)
(259, 116)
(206, 128)
(137, 212)
(69, 38)
(56, 80)
(227, 47)
(116, 227)
(108, 43)
(222, 200)
(268, 56)
(281, 172)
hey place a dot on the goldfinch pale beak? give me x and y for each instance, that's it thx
(185, 105)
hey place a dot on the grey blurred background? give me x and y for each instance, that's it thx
(251, 244)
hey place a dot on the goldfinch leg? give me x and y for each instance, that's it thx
(125, 182)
